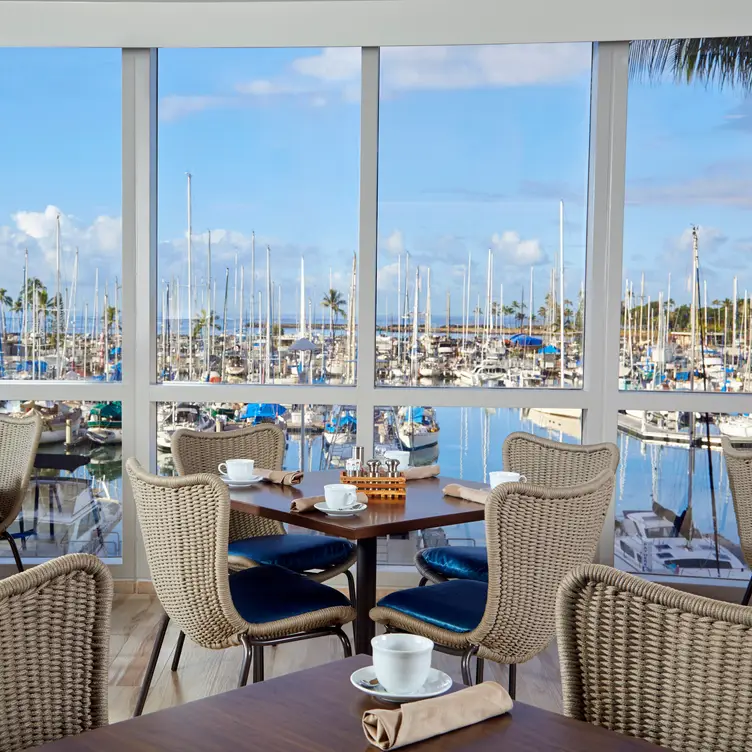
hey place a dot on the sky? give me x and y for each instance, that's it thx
(477, 146)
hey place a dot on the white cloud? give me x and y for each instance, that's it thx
(395, 243)
(175, 106)
(331, 64)
(518, 252)
(333, 74)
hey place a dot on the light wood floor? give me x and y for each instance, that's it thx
(208, 672)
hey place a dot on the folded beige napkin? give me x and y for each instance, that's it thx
(281, 477)
(418, 473)
(478, 495)
(415, 721)
(307, 503)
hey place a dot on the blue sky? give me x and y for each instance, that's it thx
(477, 146)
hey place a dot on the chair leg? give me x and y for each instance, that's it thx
(423, 582)
(467, 656)
(747, 594)
(351, 586)
(345, 640)
(14, 551)
(479, 666)
(178, 650)
(146, 683)
(245, 641)
(513, 680)
(258, 663)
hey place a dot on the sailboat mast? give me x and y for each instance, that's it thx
(268, 313)
(399, 304)
(428, 301)
(252, 320)
(58, 297)
(224, 325)
(562, 358)
(734, 312)
(190, 282)
(531, 312)
(302, 298)
(693, 311)
(414, 346)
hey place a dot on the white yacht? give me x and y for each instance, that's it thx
(648, 543)
(417, 427)
(486, 373)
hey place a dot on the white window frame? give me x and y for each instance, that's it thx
(139, 392)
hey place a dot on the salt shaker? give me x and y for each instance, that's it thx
(373, 468)
(391, 468)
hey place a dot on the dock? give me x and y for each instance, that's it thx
(653, 434)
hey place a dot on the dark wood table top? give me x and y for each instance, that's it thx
(425, 506)
(319, 711)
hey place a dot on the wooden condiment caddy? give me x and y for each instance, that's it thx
(378, 489)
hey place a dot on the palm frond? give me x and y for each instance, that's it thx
(723, 61)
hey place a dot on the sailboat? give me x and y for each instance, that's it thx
(105, 423)
(417, 427)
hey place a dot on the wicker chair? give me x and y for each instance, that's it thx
(739, 469)
(256, 540)
(543, 463)
(54, 651)
(652, 662)
(19, 438)
(185, 523)
(535, 536)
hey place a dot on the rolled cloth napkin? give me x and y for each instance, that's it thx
(281, 477)
(478, 495)
(418, 473)
(415, 721)
(307, 503)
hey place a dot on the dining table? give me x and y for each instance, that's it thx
(424, 506)
(318, 710)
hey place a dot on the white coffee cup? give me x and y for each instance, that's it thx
(401, 661)
(237, 469)
(340, 495)
(498, 477)
(402, 457)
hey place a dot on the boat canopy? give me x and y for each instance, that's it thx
(549, 350)
(256, 410)
(414, 415)
(33, 366)
(525, 340)
(344, 421)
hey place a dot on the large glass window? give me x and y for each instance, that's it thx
(60, 216)
(258, 215)
(483, 161)
(74, 500)
(467, 442)
(674, 513)
(685, 319)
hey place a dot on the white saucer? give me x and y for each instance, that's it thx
(437, 684)
(240, 483)
(347, 512)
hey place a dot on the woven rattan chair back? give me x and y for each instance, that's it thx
(650, 661)
(535, 536)
(739, 469)
(184, 524)
(550, 463)
(202, 451)
(19, 439)
(54, 651)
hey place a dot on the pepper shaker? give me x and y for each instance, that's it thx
(391, 468)
(373, 468)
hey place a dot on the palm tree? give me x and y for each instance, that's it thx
(5, 301)
(109, 318)
(202, 321)
(707, 60)
(334, 301)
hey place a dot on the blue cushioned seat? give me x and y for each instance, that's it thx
(300, 553)
(457, 562)
(456, 605)
(263, 594)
